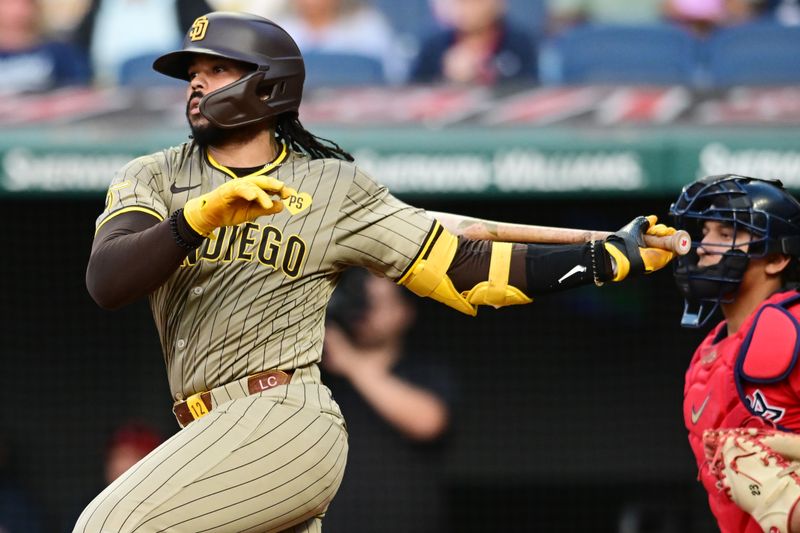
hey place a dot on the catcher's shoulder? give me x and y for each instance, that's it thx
(772, 343)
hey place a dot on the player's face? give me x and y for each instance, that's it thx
(718, 238)
(207, 74)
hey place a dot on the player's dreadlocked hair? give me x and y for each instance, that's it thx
(290, 131)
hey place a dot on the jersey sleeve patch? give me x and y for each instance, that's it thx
(770, 350)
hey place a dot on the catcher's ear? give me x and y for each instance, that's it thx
(776, 263)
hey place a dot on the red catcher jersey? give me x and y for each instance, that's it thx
(747, 379)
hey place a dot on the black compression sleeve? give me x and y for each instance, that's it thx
(133, 254)
(551, 268)
(535, 268)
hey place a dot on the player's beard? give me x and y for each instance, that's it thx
(207, 134)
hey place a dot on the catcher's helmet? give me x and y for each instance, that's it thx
(276, 84)
(762, 208)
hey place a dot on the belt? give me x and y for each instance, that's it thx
(198, 405)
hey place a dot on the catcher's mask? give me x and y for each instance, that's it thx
(762, 208)
(274, 86)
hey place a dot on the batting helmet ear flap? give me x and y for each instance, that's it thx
(238, 103)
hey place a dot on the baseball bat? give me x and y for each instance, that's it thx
(679, 242)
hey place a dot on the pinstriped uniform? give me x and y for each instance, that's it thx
(252, 299)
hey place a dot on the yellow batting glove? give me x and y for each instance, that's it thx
(656, 258)
(659, 230)
(236, 201)
(631, 255)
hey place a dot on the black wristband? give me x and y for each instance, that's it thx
(601, 263)
(184, 235)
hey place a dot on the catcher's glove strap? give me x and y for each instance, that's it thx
(200, 404)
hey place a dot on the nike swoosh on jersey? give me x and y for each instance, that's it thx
(696, 414)
(575, 270)
(174, 189)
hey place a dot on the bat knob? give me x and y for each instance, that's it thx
(683, 242)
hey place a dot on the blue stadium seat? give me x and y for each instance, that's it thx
(138, 72)
(530, 15)
(408, 17)
(331, 69)
(754, 54)
(657, 54)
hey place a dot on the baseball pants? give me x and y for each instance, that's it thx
(261, 463)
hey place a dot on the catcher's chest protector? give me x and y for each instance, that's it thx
(718, 394)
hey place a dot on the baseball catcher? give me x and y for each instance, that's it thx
(742, 394)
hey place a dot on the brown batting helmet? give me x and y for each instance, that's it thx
(276, 84)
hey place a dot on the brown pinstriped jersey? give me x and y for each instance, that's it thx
(254, 297)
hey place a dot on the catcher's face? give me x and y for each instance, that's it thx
(719, 238)
(207, 74)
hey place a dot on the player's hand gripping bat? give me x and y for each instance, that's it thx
(678, 242)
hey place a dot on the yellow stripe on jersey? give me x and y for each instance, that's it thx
(269, 166)
(423, 252)
(129, 210)
(428, 275)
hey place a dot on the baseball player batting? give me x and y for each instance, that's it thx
(237, 238)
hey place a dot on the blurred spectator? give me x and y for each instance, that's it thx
(61, 17)
(564, 14)
(703, 16)
(18, 514)
(397, 405)
(345, 26)
(113, 31)
(786, 12)
(29, 60)
(129, 443)
(477, 45)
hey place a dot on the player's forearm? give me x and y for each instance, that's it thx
(413, 411)
(458, 224)
(129, 261)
